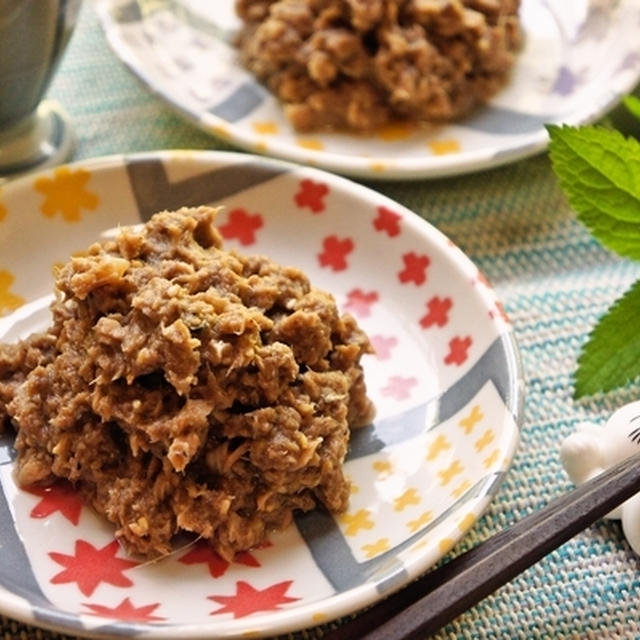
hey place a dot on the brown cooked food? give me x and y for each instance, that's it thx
(182, 387)
(359, 64)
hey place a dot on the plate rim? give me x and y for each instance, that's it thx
(427, 167)
(340, 603)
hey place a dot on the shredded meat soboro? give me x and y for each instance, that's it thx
(182, 387)
(359, 64)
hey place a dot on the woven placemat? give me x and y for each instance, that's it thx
(554, 280)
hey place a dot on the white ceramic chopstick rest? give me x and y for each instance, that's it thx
(591, 449)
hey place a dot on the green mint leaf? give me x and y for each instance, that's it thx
(633, 105)
(611, 356)
(599, 172)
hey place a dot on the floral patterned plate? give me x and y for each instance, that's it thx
(445, 379)
(578, 59)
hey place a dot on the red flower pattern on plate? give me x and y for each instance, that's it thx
(458, 350)
(438, 312)
(499, 312)
(241, 226)
(383, 345)
(359, 302)
(126, 611)
(59, 497)
(247, 599)
(334, 252)
(387, 222)
(311, 195)
(202, 553)
(415, 268)
(90, 567)
(399, 387)
(481, 278)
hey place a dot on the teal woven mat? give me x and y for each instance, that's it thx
(554, 281)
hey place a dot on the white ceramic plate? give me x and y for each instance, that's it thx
(579, 58)
(446, 382)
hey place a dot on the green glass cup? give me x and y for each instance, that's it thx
(34, 133)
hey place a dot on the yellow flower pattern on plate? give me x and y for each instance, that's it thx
(376, 548)
(313, 144)
(319, 617)
(8, 301)
(484, 440)
(420, 479)
(408, 498)
(66, 194)
(444, 147)
(420, 522)
(447, 475)
(383, 467)
(221, 131)
(396, 131)
(491, 459)
(438, 446)
(461, 489)
(472, 419)
(354, 522)
(467, 522)
(265, 127)
(378, 167)
(445, 545)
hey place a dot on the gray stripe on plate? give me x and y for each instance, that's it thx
(334, 558)
(153, 191)
(492, 366)
(16, 574)
(503, 121)
(240, 103)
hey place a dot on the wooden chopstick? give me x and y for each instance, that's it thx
(430, 602)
